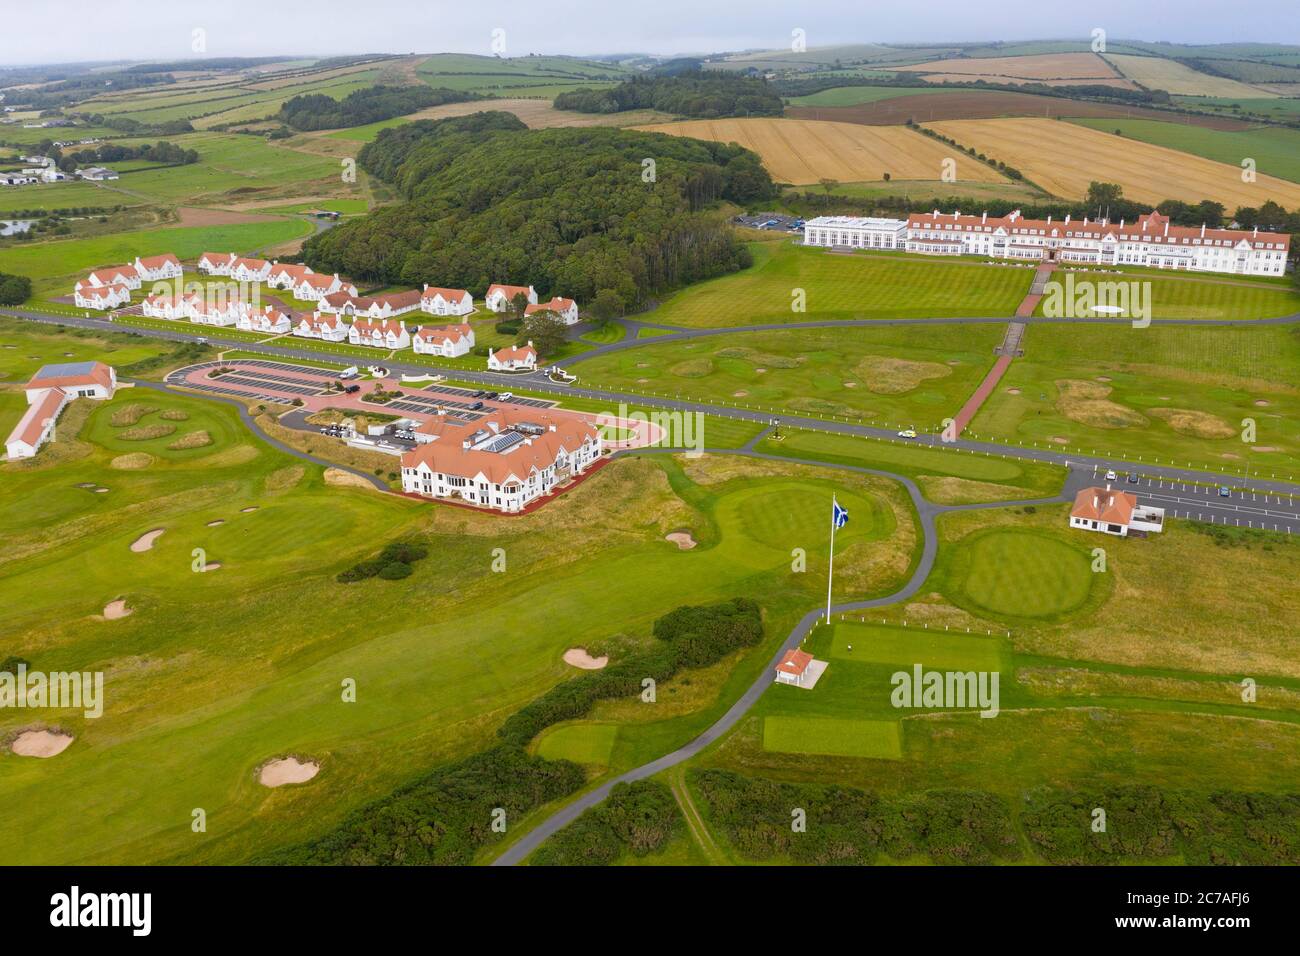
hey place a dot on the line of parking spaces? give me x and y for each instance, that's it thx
(281, 378)
(272, 384)
(1147, 482)
(1281, 523)
(489, 395)
(284, 369)
(233, 392)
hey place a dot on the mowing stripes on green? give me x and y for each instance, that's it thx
(1022, 574)
(582, 743)
(834, 737)
(935, 649)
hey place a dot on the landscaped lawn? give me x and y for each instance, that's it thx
(833, 736)
(1183, 297)
(1181, 394)
(1018, 574)
(904, 376)
(586, 743)
(858, 286)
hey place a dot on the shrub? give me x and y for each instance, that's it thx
(395, 571)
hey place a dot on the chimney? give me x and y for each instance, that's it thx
(1121, 222)
(984, 218)
(1166, 227)
(1067, 218)
(1255, 233)
(1202, 230)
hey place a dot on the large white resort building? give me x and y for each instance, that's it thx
(1151, 240)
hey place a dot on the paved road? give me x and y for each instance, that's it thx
(497, 380)
(927, 512)
(256, 429)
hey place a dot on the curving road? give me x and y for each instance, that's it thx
(926, 511)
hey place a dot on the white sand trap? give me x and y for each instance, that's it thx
(1103, 378)
(116, 609)
(277, 773)
(759, 371)
(211, 566)
(1261, 403)
(146, 540)
(1060, 441)
(740, 394)
(850, 384)
(1228, 454)
(244, 511)
(578, 657)
(682, 539)
(1263, 448)
(40, 743)
(213, 524)
(1013, 391)
(101, 491)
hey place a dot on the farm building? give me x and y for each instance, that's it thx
(499, 297)
(1152, 240)
(50, 389)
(504, 461)
(97, 173)
(446, 301)
(566, 309)
(1114, 512)
(512, 359)
(449, 341)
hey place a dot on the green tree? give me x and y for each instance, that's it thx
(607, 305)
(546, 331)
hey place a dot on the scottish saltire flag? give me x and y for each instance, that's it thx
(839, 517)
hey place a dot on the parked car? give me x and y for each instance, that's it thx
(1132, 478)
(1111, 476)
(1225, 492)
(506, 396)
(476, 406)
(352, 389)
(907, 433)
(491, 394)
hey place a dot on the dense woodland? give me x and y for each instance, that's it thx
(571, 211)
(371, 105)
(697, 93)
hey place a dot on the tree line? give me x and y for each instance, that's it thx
(705, 94)
(576, 212)
(314, 111)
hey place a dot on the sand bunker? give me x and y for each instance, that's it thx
(1261, 403)
(740, 394)
(116, 609)
(101, 491)
(244, 511)
(40, 743)
(682, 539)
(146, 540)
(1186, 421)
(1086, 403)
(213, 524)
(1059, 440)
(132, 462)
(210, 566)
(277, 773)
(1013, 391)
(578, 657)
(1263, 448)
(345, 479)
(885, 375)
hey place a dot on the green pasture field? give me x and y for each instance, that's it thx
(1279, 108)
(857, 286)
(910, 376)
(857, 95)
(1161, 394)
(66, 195)
(1275, 149)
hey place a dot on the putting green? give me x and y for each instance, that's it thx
(1023, 574)
(935, 649)
(832, 736)
(584, 743)
(784, 515)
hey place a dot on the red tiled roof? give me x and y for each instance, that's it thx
(114, 274)
(99, 374)
(556, 304)
(445, 333)
(457, 294)
(1102, 504)
(32, 423)
(154, 262)
(510, 354)
(446, 453)
(795, 662)
(510, 290)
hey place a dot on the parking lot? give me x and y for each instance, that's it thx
(1239, 507)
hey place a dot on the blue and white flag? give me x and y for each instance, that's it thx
(839, 517)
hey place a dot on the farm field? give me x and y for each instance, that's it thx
(1158, 73)
(905, 375)
(889, 106)
(1276, 150)
(859, 286)
(420, 705)
(1167, 393)
(1077, 69)
(951, 196)
(1064, 158)
(806, 151)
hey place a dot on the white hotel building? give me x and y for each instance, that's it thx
(1150, 241)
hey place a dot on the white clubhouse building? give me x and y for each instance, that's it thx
(1149, 241)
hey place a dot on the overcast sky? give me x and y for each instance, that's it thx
(46, 31)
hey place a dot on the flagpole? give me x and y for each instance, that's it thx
(830, 568)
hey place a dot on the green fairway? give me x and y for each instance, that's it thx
(1275, 150)
(857, 286)
(1160, 394)
(905, 376)
(1201, 297)
(585, 743)
(833, 736)
(782, 516)
(931, 647)
(1016, 574)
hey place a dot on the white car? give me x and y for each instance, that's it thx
(1111, 476)
(907, 433)
(505, 396)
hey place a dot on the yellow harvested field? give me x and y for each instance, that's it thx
(1064, 158)
(1037, 68)
(1156, 73)
(803, 152)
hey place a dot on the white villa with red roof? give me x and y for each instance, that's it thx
(446, 301)
(250, 270)
(379, 333)
(499, 297)
(566, 309)
(269, 319)
(1114, 512)
(1152, 240)
(505, 460)
(286, 275)
(513, 359)
(321, 325)
(155, 268)
(87, 295)
(383, 306)
(449, 341)
(311, 286)
(216, 263)
(170, 306)
(114, 275)
(50, 389)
